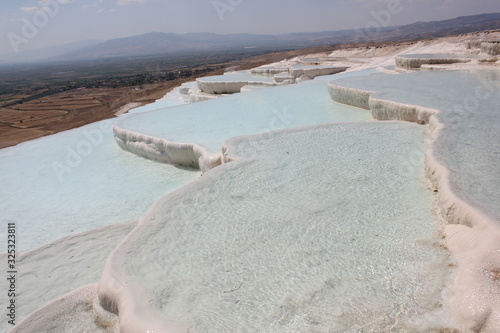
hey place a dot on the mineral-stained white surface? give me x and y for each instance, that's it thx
(232, 82)
(75, 312)
(280, 77)
(221, 87)
(491, 48)
(417, 60)
(296, 69)
(181, 135)
(263, 244)
(466, 103)
(462, 164)
(261, 248)
(161, 150)
(312, 71)
(75, 181)
(52, 271)
(381, 109)
(350, 96)
(269, 69)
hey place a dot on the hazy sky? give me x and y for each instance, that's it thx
(31, 24)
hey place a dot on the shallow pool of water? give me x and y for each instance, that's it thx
(470, 143)
(318, 229)
(210, 123)
(76, 181)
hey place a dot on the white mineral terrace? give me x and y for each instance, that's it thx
(462, 134)
(417, 60)
(271, 246)
(233, 82)
(362, 201)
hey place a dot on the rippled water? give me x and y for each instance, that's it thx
(321, 229)
(470, 143)
(210, 123)
(239, 76)
(76, 181)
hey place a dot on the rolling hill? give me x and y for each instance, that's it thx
(156, 43)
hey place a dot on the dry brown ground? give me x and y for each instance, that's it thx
(75, 108)
(72, 109)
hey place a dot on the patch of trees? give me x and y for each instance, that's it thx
(152, 76)
(142, 79)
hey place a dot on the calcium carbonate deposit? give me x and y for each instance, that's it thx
(336, 192)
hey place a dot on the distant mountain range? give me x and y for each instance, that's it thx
(46, 53)
(156, 43)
